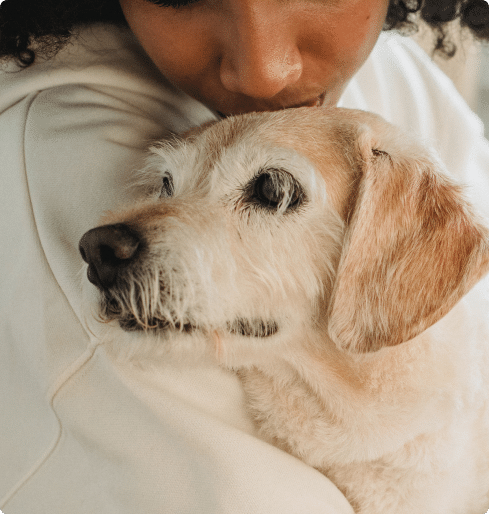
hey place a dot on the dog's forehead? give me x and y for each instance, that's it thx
(311, 133)
(294, 128)
(234, 149)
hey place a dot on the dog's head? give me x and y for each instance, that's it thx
(267, 223)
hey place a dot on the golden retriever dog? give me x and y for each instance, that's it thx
(328, 259)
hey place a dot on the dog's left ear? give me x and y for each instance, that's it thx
(412, 248)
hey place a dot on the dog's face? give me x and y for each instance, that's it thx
(262, 227)
(238, 236)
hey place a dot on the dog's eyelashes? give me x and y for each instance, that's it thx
(167, 189)
(276, 189)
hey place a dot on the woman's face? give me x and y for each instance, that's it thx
(238, 56)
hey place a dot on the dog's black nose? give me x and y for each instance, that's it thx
(108, 250)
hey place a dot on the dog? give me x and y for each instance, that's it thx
(327, 258)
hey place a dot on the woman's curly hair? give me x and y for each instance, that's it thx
(42, 27)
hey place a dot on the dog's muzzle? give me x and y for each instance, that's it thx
(108, 251)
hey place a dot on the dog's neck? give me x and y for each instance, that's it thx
(348, 400)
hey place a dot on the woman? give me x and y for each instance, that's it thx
(79, 101)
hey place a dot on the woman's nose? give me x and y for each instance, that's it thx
(260, 57)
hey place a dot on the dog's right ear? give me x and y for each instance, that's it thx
(412, 247)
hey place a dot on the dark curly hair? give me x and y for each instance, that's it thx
(42, 27)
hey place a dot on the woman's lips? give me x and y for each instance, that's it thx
(314, 102)
(317, 101)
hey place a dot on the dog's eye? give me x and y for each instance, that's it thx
(277, 189)
(166, 187)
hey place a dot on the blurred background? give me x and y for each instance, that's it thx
(482, 103)
(469, 68)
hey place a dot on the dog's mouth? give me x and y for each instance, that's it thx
(111, 310)
(129, 322)
(243, 327)
(132, 324)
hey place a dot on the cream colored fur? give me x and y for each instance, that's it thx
(372, 363)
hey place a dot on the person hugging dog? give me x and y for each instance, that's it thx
(85, 87)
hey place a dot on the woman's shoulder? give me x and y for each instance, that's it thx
(103, 57)
(400, 82)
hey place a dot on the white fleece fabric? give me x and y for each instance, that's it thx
(79, 433)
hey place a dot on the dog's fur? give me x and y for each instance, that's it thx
(368, 245)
